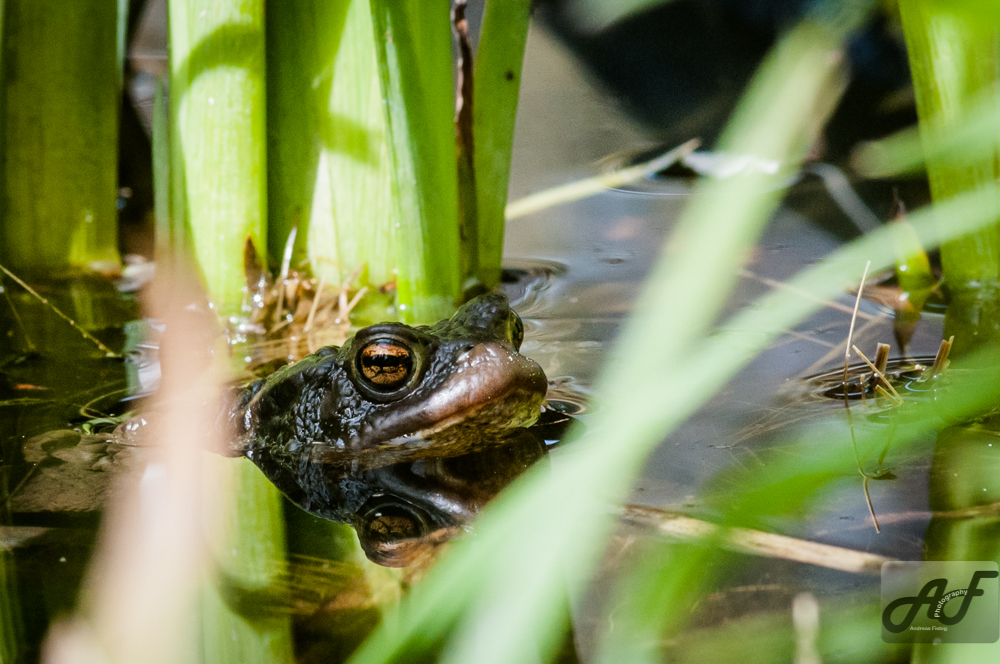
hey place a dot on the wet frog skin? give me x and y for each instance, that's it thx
(382, 432)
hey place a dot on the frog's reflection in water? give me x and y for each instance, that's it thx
(403, 511)
(414, 507)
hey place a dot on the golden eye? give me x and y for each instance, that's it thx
(386, 364)
(391, 524)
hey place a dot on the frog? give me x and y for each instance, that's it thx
(403, 432)
(392, 391)
(380, 431)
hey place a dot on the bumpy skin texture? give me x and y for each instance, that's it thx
(332, 444)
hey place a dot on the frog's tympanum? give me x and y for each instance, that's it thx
(402, 431)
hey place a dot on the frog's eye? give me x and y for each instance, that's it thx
(385, 365)
(391, 530)
(517, 331)
(391, 523)
(387, 361)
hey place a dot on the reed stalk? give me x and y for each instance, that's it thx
(302, 39)
(10, 624)
(250, 557)
(415, 69)
(329, 172)
(953, 60)
(963, 477)
(954, 55)
(217, 84)
(499, 58)
(59, 108)
(166, 236)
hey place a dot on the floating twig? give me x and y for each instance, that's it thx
(941, 361)
(882, 392)
(315, 304)
(868, 500)
(17, 488)
(850, 330)
(756, 542)
(17, 319)
(854, 445)
(575, 191)
(895, 395)
(86, 335)
(889, 437)
(342, 305)
(354, 300)
(881, 357)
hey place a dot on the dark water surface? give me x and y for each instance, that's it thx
(64, 381)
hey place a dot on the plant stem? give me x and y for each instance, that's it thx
(10, 618)
(414, 61)
(580, 189)
(963, 476)
(499, 59)
(72, 323)
(302, 40)
(250, 556)
(218, 132)
(329, 169)
(164, 229)
(60, 121)
(953, 61)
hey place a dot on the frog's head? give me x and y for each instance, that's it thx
(460, 378)
(393, 393)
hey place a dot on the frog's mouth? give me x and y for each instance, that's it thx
(493, 389)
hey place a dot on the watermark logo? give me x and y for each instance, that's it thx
(940, 602)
